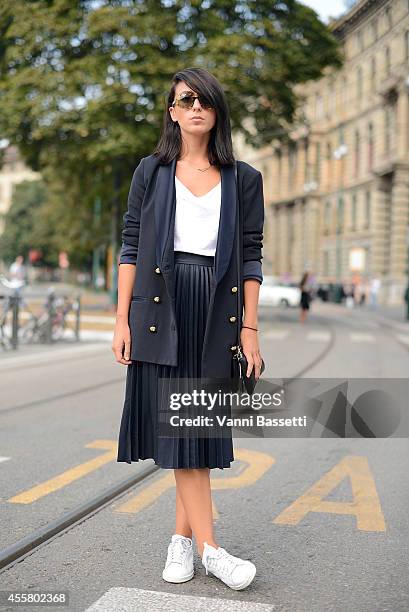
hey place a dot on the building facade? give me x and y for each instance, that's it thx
(337, 197)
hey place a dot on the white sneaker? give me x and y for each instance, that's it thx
(179, 563)
(235, 572)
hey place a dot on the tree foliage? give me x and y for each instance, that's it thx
(83, 84)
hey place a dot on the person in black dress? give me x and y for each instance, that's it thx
(196, 132)
(305, 297)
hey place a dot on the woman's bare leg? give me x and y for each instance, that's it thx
(194, 489)
(182, 524)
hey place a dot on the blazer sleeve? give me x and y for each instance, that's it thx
(253, 222)
(132, 217)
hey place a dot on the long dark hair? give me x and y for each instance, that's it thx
(220, 147)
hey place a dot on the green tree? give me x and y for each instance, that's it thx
(83, 84)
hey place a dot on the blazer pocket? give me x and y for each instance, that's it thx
(140, 298)
(142, 315)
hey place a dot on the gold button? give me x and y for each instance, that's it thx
(157, 270)
(233, 348)
(232, 319)
(234, 289)
(156, 299)
(152, 328)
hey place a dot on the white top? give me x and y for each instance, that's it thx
(196, 219)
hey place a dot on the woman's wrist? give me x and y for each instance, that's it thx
(250, 322)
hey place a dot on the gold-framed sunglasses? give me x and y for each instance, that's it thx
(187, 101)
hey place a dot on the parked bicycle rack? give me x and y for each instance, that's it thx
(47, 327)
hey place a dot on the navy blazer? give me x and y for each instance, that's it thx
(148, 242)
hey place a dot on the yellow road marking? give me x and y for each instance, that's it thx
(148, 494)
(365, 506)
(257, 465)
(69, 476)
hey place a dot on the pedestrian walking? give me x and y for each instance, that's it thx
(406, 298)
(181, 290)
(350, 296)
(374, 288)
(17, 270)
(305, 297)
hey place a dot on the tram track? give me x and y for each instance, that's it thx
(23, 548)
(60, 396)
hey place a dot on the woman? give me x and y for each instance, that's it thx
(177, 316)
(305, 296)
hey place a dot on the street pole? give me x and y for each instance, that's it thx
(114, 234)
(96, 251)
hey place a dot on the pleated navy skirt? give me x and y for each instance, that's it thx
(138, 434)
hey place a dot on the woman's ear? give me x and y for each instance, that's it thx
(171, 111)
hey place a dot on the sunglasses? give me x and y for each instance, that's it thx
(187, 101)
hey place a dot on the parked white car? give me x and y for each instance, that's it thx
(274, 292)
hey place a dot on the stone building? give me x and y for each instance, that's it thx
(13, 171)
(337, 197)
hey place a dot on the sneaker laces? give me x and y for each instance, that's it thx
(224, 560)
(178, 549)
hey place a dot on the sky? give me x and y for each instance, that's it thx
(326, 8)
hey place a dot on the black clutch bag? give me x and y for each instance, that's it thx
(243, 382)
(246, 383)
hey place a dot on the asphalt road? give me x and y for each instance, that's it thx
(323, 518)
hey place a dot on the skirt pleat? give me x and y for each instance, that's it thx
(139, 429)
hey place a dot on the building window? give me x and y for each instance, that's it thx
(279, 170)
(359, 84)
(317, 171)
(359, 40)
(332, 97)
(373, 74)
(353, 211)
(306, 163)
(388, 16)
(329, 162)
(387, 128)
(327, 217)
(387, 61)
(357, 152)
(370, 146)
(374, 30)
(367, 209)
(292, 166)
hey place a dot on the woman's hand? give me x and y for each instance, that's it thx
(249, 343)
(122, 338)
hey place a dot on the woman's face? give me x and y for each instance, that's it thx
(195, 120)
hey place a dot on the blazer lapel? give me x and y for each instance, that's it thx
(165, 208)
